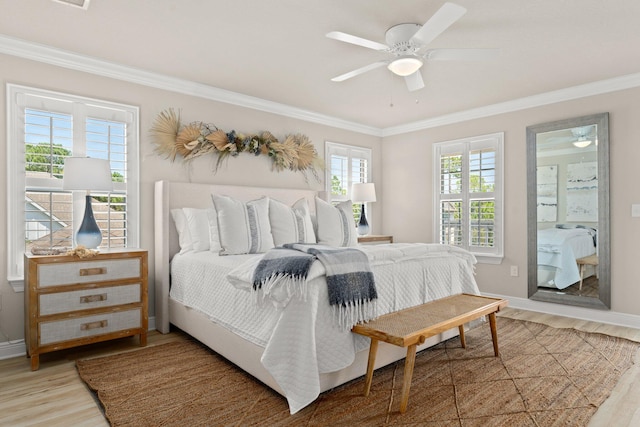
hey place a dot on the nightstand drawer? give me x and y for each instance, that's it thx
(88, 326)
(88, 271)
(63, 302)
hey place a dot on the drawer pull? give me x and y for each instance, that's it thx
(94, 325)
(93, 271)
(93, 298)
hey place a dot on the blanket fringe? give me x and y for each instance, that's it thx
(351, 314)
(276, 284)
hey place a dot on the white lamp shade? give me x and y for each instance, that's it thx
(85, 173)
(363, 192)
(405, 65)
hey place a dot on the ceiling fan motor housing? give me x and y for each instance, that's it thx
(398, 39)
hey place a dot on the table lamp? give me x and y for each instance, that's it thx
(85, 173)
(363, 193)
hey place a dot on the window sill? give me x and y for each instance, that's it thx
(17, 283)
(489, 259)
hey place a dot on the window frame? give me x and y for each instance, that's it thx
(21, 98)
(464, 146)
(351, 152)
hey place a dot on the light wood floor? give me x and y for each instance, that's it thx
(55, 395)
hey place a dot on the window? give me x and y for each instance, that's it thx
(468, 175)
(346, 165)
(43, 129)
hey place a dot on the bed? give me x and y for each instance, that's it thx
(293, 345)
(558, 250)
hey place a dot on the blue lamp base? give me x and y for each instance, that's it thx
(88, 235)
(363, 225)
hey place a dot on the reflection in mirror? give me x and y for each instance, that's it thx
(568, 215)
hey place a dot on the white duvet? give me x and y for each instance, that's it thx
(558, 250)
(301, 337)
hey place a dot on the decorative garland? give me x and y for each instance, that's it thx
(295, 153)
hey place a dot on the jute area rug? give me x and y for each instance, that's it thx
(544, 377)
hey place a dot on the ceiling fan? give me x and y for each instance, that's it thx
(407, 42)
(581, 136)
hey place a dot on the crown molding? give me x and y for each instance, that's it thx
(567, 94)
(66, 59)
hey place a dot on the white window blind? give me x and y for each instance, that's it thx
(469, 205)
(45, 128)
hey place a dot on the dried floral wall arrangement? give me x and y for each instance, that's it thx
(195, 139)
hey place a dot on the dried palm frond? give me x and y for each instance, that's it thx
(283, 154)
(267, 137)
(187, 139)
(306, 152)
(219, 139)
(164, 132)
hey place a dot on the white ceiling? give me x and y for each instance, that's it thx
(277, 50)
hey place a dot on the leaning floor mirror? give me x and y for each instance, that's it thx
(568, 211)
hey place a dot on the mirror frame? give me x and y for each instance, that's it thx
(604, 256)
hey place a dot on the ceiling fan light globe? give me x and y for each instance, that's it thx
(582, 144)
(405, 65)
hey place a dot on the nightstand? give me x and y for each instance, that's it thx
(72, 301)
(373, 239)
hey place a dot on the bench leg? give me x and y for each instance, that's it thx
(494, 333)
(408, 373)
(462, 340)
(373, 348)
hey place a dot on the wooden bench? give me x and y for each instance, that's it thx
(584, 261)
(412, 326)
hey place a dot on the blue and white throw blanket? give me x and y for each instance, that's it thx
(350, 283)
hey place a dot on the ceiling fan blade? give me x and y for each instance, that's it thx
(460, 54)
(414, 81)
(348, 38)
(440, 21)
(359, 71)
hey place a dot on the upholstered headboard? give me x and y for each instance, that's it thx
(171, 195)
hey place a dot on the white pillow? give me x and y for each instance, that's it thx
(198, 222)
(184, 237)
(336, 226)
(214, 234)
(291, 224)
(244, 227)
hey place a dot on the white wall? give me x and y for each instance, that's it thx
(242, 170)
(407, 185)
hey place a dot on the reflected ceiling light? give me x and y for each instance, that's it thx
(84, 4)
(405, 65)
(581, 143)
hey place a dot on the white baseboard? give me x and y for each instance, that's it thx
(593, 315)
(9, 349)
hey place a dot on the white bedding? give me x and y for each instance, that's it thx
(302, 340)
(558, 250)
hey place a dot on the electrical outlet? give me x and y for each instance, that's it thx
(514, 270)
